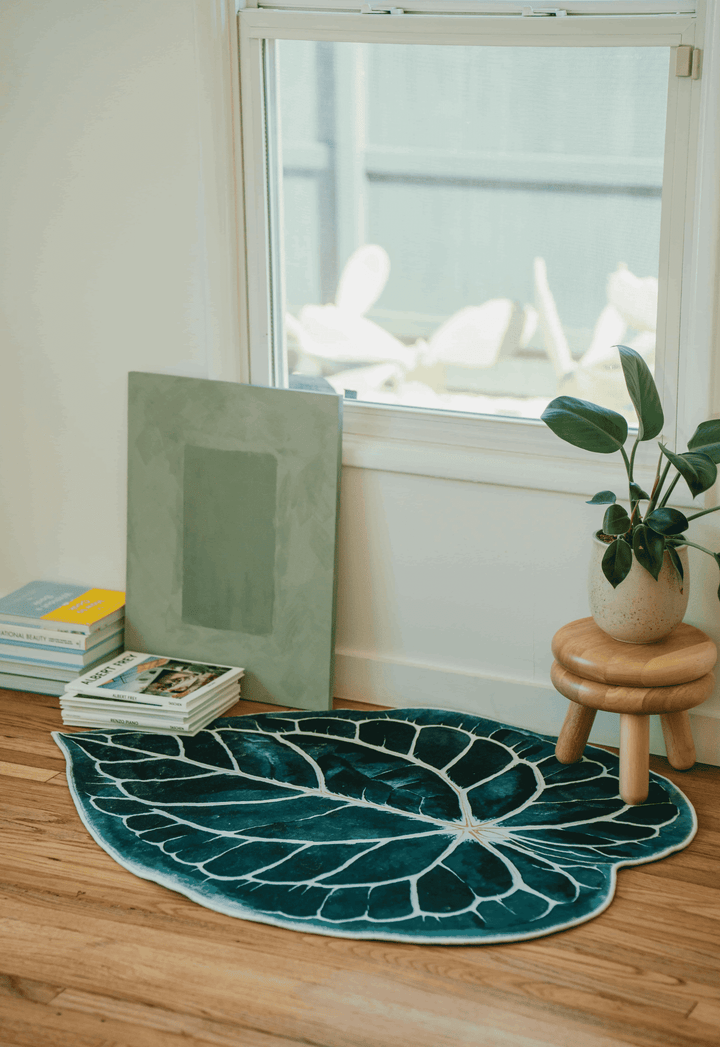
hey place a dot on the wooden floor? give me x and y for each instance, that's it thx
(92, 956)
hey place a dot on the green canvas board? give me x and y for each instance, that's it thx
(233, 494)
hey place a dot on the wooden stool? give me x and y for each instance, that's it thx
(635, 680)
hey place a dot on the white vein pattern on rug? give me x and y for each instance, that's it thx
(416, 825)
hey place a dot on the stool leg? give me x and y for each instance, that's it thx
(575, 733)
(678, 740)
(634, 757)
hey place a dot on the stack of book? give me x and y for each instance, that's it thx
(50, 633)
(151, 693)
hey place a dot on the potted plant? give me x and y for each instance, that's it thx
(639, 578)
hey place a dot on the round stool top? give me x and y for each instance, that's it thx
(686, 654)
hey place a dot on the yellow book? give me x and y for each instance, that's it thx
(58, 607)
(91, 607)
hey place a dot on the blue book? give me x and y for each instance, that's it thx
(39, 598)
(39, 653)
(36, 684)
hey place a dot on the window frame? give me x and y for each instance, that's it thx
(480, 448)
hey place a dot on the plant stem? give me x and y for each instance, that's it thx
(703, 512)
(630, 466)
(657, 472)
(632, 458)
(684, 541)
(657, 487)
(629, 471)
(669, 491)
(654, 487)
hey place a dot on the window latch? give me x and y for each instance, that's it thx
(372, 8)
(544, 12)
(688, 61)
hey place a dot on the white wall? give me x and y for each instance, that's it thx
(115, 246)
(450, 593)
(103, 264)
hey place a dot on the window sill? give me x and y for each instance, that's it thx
(509, 452)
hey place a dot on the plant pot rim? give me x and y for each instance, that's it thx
(598, 539)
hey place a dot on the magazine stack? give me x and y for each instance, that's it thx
(50, 633)
(151, 693)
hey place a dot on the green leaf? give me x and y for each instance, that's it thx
(676, 562)
(636, 492)
(696, 467)
(602, 498)
(667, 521)
(706, 439)
(649, 549)
(586, 425)
(616, 520)
(616, 562)
(643, 393)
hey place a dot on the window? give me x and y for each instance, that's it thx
(452, 217)
(451, 214)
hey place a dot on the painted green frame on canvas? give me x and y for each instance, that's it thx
(233, 499)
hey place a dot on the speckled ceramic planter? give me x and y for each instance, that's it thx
(640, 609)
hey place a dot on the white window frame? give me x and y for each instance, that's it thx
(510, 452)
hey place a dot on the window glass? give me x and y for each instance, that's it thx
(470, 228)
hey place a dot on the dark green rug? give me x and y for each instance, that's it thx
(414, 825)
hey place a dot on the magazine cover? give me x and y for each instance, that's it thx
(137, 676)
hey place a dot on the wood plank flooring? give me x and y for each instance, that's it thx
(92, 956)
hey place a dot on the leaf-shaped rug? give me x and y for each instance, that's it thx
(415, 825)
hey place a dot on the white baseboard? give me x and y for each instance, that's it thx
(361, 677)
